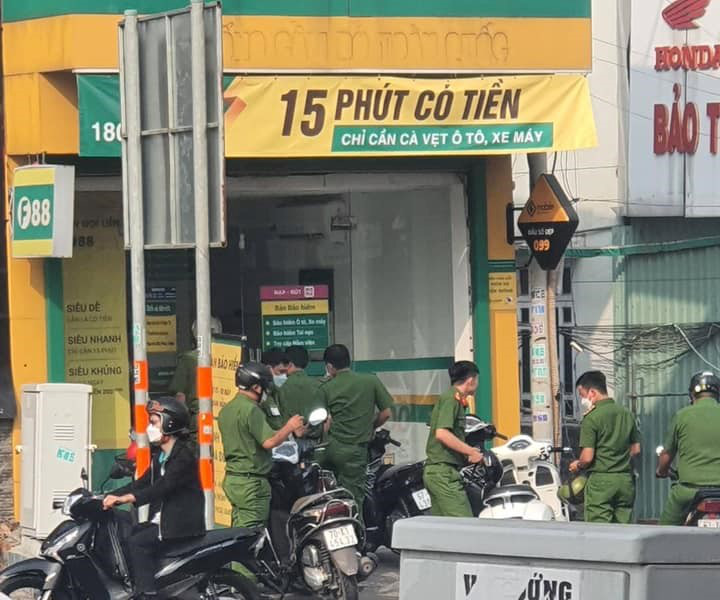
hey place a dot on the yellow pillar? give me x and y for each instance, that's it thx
(503, 299)
(26, 304)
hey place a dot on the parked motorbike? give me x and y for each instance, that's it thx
(528, 462)
(315, 534)
(394, 492)
(84, 558)
(494, 490)
(705, 508)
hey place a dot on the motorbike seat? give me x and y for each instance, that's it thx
(400, 471)
(708, 493)
(505, 491)
(306, 501)
(216, 536)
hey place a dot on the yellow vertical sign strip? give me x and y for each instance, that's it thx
(226, 356)
(95, 317)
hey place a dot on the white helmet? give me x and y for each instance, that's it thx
(215, 327)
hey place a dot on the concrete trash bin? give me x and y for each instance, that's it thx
(480, 559)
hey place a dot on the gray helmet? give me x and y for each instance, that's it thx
(704, 382)
(253, 373)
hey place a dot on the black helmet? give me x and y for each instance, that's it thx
(174, 415)
(704, 382)
(253, 373)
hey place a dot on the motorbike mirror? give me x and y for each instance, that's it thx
(85, 478)
(58, 504)
(659, 450)
(317, 417)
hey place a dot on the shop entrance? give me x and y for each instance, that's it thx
(393, 252)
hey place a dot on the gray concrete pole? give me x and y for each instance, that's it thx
(133, 147)
(202, 257)
(540, 338)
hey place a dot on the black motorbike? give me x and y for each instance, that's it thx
(313, 541)
(84, 558)
(394, 492)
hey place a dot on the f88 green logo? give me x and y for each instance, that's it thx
(33, 213)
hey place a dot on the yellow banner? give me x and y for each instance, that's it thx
(392, 116)
(303, 307)
(96, 351)
(226, 356)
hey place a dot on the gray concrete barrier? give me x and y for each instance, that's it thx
(479, 559)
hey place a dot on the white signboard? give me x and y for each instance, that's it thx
(504, 582)
(675, 108)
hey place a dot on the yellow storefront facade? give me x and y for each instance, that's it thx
(368, 149)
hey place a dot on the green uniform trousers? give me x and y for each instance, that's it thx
(678, 504)
(447, 491)
(609, 498)
(249, 496)
(349, 463)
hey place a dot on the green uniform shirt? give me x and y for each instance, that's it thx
(447, 413)
(609, 429)
(694, 437)
(271, 407)
(352, 399)
(299, 395)
(244, 429)
(185, 375)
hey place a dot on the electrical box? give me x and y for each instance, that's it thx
(55, 449)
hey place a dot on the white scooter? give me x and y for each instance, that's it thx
(527, 462)
(527, 482)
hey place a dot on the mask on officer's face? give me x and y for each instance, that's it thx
(279, 380)
(585, 405)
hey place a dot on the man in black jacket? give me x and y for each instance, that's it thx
(171, 486)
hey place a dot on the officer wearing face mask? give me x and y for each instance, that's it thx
(609, 438)
(278, 363)
(171, 486)
(248, 441)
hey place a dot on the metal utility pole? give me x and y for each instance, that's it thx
(132, 141)
(202, 257)
(554, 280)
(540, 337)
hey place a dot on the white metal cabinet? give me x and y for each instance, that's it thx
(55, 449)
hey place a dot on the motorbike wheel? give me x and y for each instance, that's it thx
(27, 587)
(347, 586)
(230, 585)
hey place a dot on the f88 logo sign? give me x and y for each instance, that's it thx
(33, 213)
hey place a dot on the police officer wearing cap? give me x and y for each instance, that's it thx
(609, 438)
(694, 440)
(248, 441)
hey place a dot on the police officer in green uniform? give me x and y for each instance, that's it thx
(277, 361)
(298, 396)
(446, 449)
(609, 438)
(358, 404)
(694, 438)
(247, 442)
(183, 383)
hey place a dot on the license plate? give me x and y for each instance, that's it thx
(710, 523)
(422, 499)
(340, 537)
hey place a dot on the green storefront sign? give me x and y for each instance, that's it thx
(99, 110)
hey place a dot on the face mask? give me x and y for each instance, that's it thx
(279, 380)
(585, 405)
(154, 434)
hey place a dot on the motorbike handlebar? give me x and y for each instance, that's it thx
(501, 436)
(395, 443)
(561, 449)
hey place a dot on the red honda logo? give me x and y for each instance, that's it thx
(681, 14)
